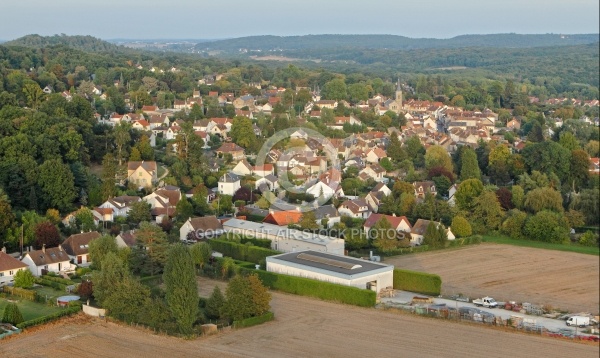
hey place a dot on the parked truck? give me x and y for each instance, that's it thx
(487, 302)
(580, 321)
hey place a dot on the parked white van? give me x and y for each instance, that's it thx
(579, 321)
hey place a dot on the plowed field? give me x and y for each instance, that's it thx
(303, 328)
(564, 280)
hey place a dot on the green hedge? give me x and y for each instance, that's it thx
(318, 289)
(64, 281)
(476, 239)
(266, 243)
(21, 292)
(41, 320)
(241, 252)
(420, 282)
(53, 284)
(253, 321)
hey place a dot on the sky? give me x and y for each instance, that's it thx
(202, 19)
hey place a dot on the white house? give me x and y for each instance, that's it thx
(203, 227)
(9, 267)
(120, 205)
(357, 208)
(268, 183)
(398, 223)
(229, 183)
(338, 269)
(78, 247)
(54, 259)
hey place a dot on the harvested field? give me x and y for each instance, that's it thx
(303, 327)
(565, 280)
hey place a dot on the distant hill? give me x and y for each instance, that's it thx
(84, 43)
(394, 42)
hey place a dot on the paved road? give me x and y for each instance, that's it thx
(551, 324)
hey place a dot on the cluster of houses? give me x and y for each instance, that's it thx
(73, 252)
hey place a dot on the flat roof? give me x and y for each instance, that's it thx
(278, 231)
(360, 266)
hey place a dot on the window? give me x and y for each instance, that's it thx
(11, 273)
(1, 274)
(140, 173)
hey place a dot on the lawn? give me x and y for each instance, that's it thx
(49, 292)
(30, 310)
(501, 239)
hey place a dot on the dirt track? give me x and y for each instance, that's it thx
(303, 328)
(564, 280)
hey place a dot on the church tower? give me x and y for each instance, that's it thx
(399, 93)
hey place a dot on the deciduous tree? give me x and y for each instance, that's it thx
(461, 227)
(46, 234)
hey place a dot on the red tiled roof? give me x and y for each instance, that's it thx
(283, 218)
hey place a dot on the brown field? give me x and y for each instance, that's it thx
(565, 280)
(303, 328)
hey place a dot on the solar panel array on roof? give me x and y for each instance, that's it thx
(330, 262)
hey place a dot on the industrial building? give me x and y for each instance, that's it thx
(343, 270)
(285, 239)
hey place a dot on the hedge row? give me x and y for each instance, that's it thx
(51, 317)
(21, 292)
(312, 288)
(64, 281)
(56, 285)
(420, 282)
(241, 252)
(253, 321)
(266, 243)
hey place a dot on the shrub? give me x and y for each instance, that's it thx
(420, 282)
(82, 271)
(318, 289)
(12, 314)
(253, 321)
(461, 227)
(588, 239)
(24, 279)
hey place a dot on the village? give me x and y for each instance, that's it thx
(334, 194)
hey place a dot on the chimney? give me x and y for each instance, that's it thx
(4, 249)
(60, 247)
(44, 248)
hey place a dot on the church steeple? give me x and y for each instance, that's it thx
(399, 93)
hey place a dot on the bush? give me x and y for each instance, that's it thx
(420, 282)
(64, 281)
(82, 271)
(12, 314)
(318, 289)
(21, 292)
(253, 321)
(266, 243)
(588, 239)
(56, 285)
(241, 252)
(41, 320)
(24, 279)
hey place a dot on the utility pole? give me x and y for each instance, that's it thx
(21, 240)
